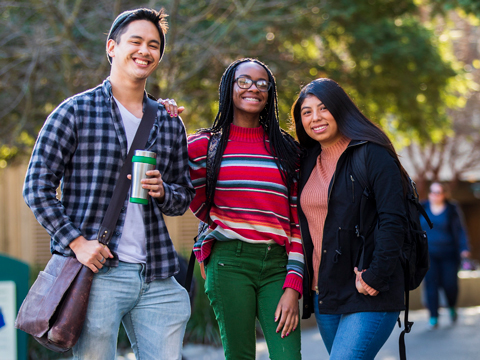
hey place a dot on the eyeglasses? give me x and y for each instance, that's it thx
(246, 83)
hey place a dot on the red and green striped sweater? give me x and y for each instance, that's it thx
(251, 201)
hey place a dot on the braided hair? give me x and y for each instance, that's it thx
(281, 145)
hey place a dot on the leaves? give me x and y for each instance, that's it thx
(387, 54)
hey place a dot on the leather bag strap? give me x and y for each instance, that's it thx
(123, 183)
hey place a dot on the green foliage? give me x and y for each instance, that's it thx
(202, 328)
(49, 51)
(386, 53)
(469, 6)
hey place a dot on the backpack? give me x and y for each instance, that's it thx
(212, 147)
(414, 255)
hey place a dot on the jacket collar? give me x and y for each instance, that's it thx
(311, 156)
(317, 149)
(356, 142)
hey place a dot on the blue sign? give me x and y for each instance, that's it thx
(2, 320)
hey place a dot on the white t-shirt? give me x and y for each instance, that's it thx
(132, 244)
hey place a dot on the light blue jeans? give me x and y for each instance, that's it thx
(154, 315)
(354, 336)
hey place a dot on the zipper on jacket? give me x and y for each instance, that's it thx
(332, 182)
(331, 189)
(304, 252)
(338, 251)
(353, 188)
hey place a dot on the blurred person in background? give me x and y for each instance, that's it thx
(447, 245)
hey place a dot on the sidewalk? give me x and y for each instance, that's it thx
(459, 341)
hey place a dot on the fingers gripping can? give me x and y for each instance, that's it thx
(142, 162)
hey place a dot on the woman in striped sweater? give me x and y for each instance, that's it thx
(252, 250)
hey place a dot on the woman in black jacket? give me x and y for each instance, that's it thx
(355, 307)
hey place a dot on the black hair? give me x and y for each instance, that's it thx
(350, 120)
(120, 24)
(281, 145)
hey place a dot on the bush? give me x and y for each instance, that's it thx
(202, 328)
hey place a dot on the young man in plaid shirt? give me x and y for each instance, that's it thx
(83, 145)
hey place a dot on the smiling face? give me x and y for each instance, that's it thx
(249, 103)
(318, 122)
(137, 53)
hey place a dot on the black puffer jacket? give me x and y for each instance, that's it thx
(341, 246)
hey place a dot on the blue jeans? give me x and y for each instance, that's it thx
(441, 275)
(354, 336)
(154, 315)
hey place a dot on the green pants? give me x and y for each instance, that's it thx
(244, 282)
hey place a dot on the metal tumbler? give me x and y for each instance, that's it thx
(142, 162)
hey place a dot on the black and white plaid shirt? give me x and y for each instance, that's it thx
(83, 145)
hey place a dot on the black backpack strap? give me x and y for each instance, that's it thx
(416, 202)
(213, 143)
(211, 153)
(359, 167)
(408, 324)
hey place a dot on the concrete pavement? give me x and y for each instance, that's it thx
(460, 341)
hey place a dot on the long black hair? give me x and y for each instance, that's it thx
(350, 120)
(281, 145)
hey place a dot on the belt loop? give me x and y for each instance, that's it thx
(239, 248)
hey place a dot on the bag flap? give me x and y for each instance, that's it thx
(46, 294)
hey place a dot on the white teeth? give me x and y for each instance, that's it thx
(141, 62)
(319, 127)
(252, 99)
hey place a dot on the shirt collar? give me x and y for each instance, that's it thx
(107, 91)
